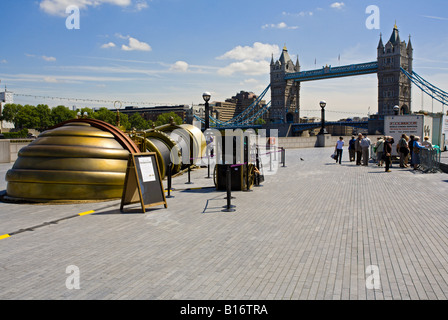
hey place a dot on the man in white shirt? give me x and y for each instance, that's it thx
(365, 145)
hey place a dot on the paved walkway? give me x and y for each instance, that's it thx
(310, 232)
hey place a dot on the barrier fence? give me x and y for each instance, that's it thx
(430, 160)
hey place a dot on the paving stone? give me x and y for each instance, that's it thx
(309, 232)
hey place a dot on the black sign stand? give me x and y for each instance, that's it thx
(143, 183)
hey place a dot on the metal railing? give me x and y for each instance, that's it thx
(430, 160)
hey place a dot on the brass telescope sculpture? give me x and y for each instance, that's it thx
(86, 159)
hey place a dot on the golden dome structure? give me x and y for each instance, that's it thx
(78, 160)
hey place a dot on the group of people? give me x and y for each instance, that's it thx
(408, 148)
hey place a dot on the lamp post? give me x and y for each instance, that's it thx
(396, 110)
(322, 106)
(206, 96)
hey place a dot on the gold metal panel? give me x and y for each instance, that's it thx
(67, 177)
(71, 164)
(62, 192)
(78, 141)
(71, 130)
(72, 151)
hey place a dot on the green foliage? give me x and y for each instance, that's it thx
(44, 114)
(61, 114)
(16, 135)
(138, 122)
(27, 117)
(105, 115)
(111, 117)
(10, 112)
(259, 121)
(89, 111)
(165, 119)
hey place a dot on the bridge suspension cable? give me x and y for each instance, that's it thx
(247, 116)
(430, 89)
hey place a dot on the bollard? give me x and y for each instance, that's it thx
(248, 189)
(257, 175)
(270, 161)
(169, 181)
(189, 175)
(284, 158)
(208, 167)
(229, 207)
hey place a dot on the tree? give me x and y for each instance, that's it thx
(28, 117)
(105, 115)
(10, 112)
(89, 111)
(164, 118)
(44, 114)
(110, 117)
(260, 121)
(138, 122)
(60, 114)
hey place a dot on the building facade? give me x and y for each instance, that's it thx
(6, 97)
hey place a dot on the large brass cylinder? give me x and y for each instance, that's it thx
(190, 140)
(74, 162)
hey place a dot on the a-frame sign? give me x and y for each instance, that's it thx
(143, 183)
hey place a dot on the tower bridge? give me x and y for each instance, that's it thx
(394, 69)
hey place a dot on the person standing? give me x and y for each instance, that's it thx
(358, 149)
(351, 148)
(379, 151)
(426, 143)
(388, 153)
(411, 147)
(339, 149)
(365, 145)
(403, 150)
(416, 152)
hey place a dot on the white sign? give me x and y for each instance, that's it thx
(147, 169)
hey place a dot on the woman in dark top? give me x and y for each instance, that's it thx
(388, 152)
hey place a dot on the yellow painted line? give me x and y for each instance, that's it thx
(4, 236)
(86, 213)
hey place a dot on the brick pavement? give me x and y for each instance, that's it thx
(308, 233)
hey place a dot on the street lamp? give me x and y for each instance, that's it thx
(396, 110)
(206, 96)
(323, 104)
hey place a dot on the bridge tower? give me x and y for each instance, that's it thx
(394, 88)
(285, 94)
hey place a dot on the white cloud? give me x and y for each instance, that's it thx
(180, 66)
(135, 45)
(51, 80)
(299, 14)
(248, 67)
(108, 45)
(4, 61)
(280, 25)
(141, 4)
(337, 5)
(49, 59)
(435, 18)
(58, 7)
(256, 52)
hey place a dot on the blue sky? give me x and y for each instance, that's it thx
(153, 52)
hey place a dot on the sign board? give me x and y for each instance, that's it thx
(143, 183)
